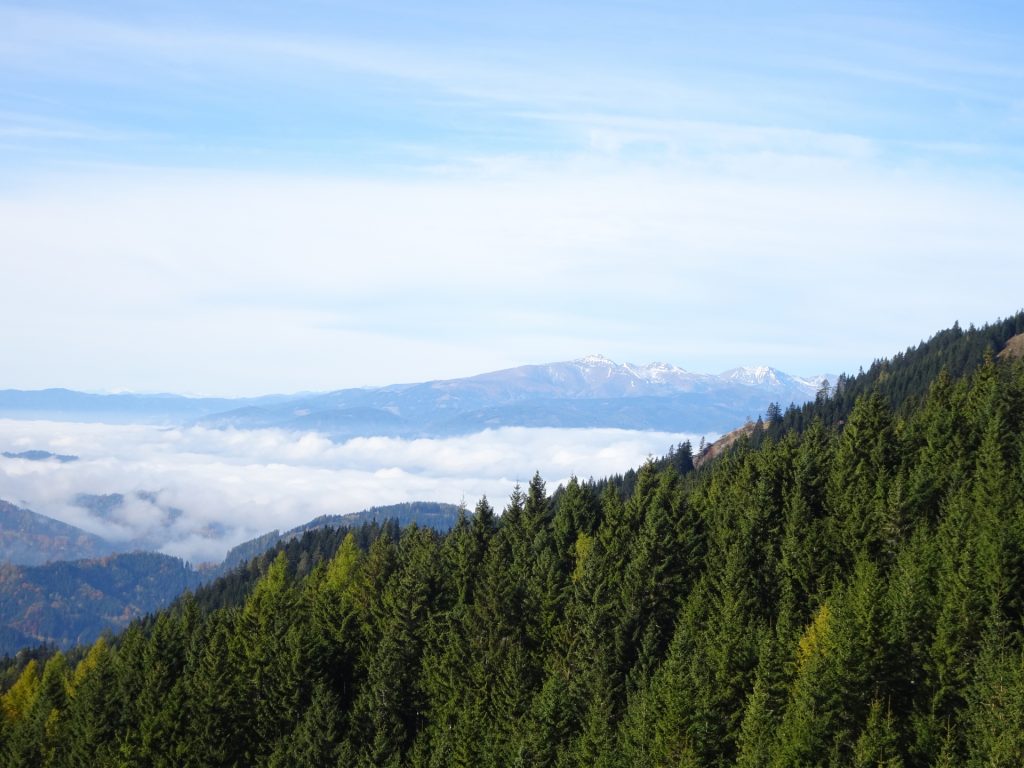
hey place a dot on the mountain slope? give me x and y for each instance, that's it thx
(65, 603)
(904, 379)
(28, 538)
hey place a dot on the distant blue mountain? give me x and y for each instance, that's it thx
(69, 405)
(589, 392)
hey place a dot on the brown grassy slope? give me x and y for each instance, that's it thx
(1014, 347)
(712, 450)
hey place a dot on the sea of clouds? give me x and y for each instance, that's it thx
(231, 485)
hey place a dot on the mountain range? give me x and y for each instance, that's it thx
(588, 392)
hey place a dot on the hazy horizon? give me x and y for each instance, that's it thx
(249, 394)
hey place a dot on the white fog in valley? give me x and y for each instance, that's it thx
(232, 485)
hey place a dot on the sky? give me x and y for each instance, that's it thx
(239, 198)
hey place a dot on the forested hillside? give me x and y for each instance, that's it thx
(69, 602)
(431, 514)
(904, 380)
(848, 592)
(27, 538)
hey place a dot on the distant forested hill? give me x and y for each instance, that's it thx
(848, 593)
(431, 514)
(28, 538)
(65, 603)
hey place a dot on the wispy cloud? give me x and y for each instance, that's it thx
(704, 140)
(247, 283)
(232, 485)
(40, 39)
(770, 80)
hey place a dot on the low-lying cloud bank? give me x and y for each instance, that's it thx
(231, 485)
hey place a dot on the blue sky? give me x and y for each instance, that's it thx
(249, 197)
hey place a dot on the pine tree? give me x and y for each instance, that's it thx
(877, 746)
(391, 703)
(858, 485)
(841, 665)
(762, 712)
(270, 650)
(219, 728)
(994, 715)
(573, 515)
(336, 632)
(962, 609)
(313, 743)
(94, 710)
(21, 697)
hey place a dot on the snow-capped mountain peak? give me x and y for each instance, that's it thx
(761, 375)
(595, 360)
(659, 372)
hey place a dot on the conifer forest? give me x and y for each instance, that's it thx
(844, 586)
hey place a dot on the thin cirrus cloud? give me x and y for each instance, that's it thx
(363, 194)
(746, 68)
(232, 485)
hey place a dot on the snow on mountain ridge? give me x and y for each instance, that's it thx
(652, 372)
(666, 374)
(594, 360)
(756, 375)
